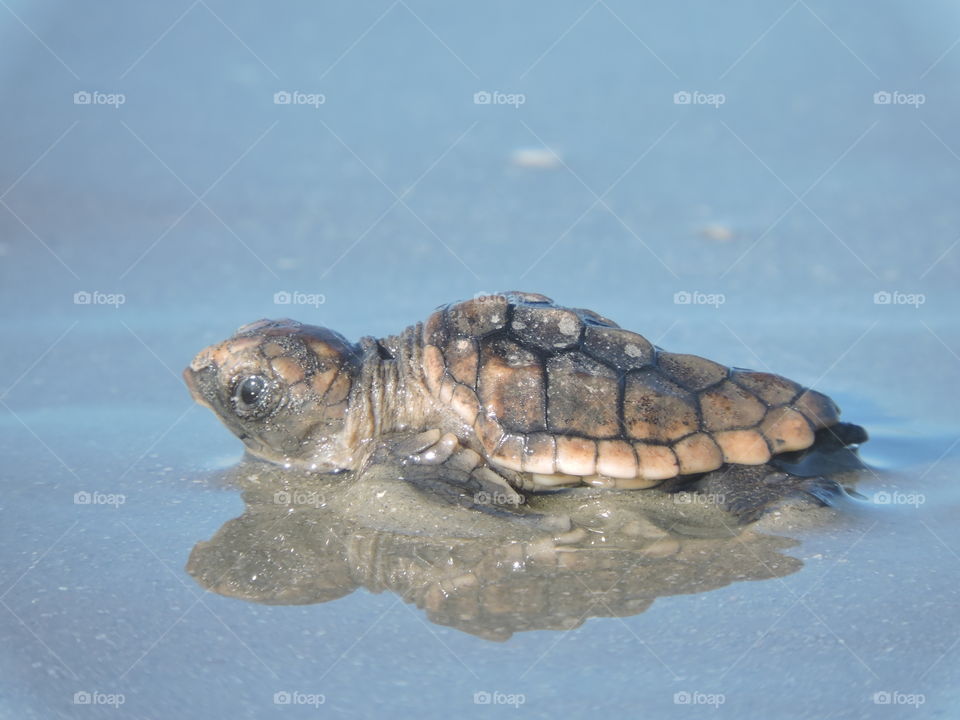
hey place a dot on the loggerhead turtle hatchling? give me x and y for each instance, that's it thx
(510, 393)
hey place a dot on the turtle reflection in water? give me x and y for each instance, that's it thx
(594, 554)
(506, 395)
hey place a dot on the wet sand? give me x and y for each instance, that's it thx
(801, 225)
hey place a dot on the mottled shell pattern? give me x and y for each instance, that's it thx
(568, 396)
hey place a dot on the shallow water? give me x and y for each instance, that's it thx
(799, 226)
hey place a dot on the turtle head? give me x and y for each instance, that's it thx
(284, 389)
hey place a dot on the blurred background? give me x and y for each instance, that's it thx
(770, 184)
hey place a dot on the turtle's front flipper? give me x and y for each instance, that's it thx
(747, 491)
(440, 466)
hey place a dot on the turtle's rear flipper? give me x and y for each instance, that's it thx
(802, 477)
(833, 451)
(839, 435)
(748, 491)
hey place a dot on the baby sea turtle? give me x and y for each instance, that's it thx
(507, 393)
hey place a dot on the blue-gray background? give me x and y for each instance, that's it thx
(780, 212)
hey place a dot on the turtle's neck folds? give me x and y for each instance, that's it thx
(394, 391)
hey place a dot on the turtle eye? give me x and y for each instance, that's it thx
(251, 395)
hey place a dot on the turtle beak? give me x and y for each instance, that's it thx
(197, 381)
(202, 381)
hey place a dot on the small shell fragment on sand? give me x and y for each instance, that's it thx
(717, 232)
(536, 158)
